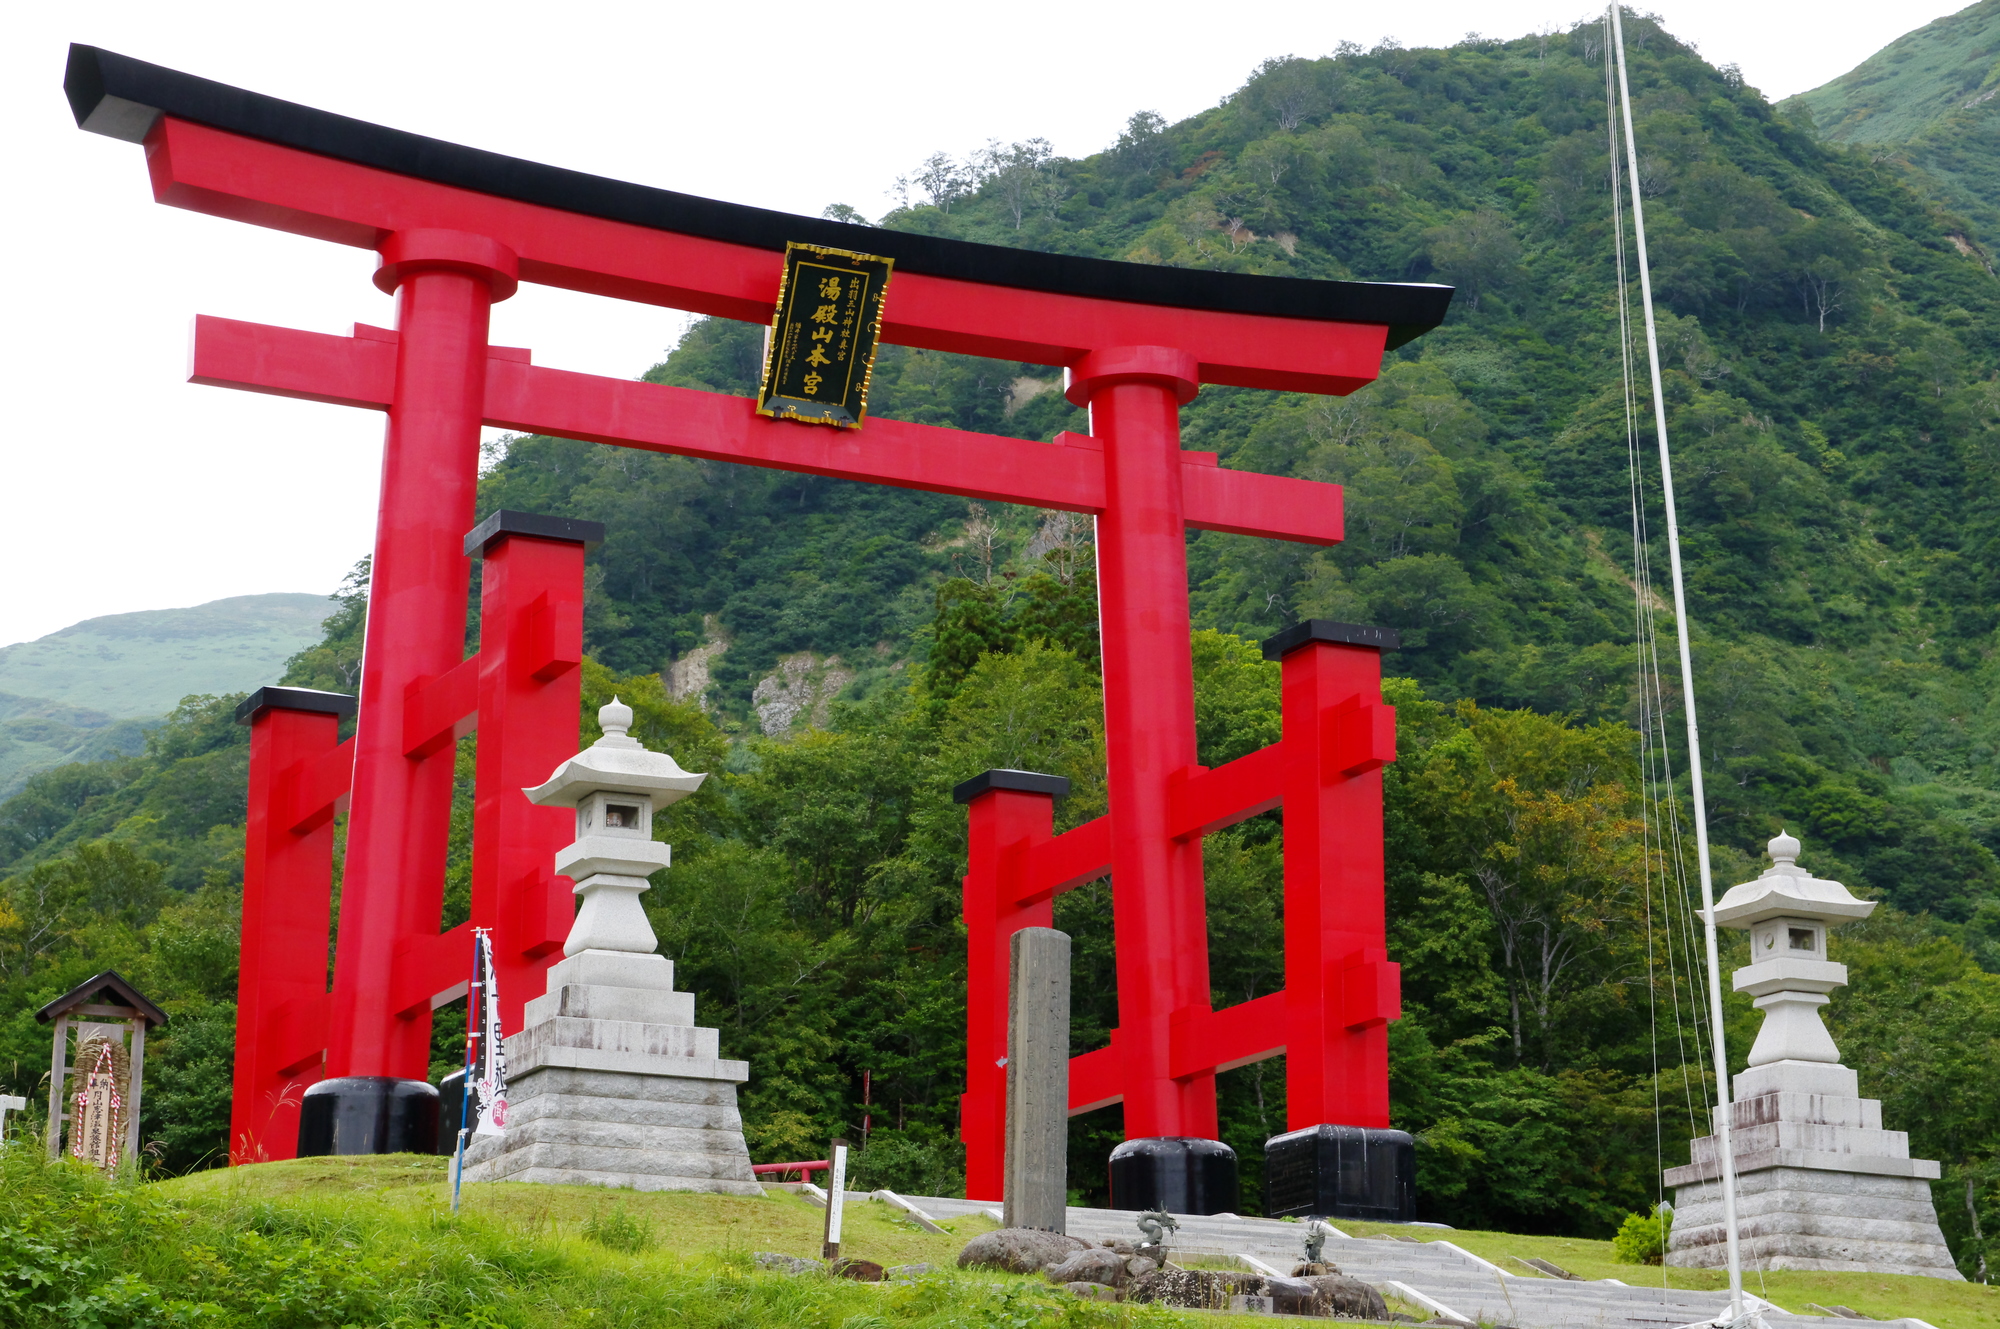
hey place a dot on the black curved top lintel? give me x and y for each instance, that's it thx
(121, 97)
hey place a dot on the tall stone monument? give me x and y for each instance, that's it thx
(1819, 1184)
(1037, 1167)
(611, 1081)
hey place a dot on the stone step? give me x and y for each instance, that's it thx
(1458, 1279)
(601, 1001)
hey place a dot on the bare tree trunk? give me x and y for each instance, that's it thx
(1978, 1237)
(1514, 1010)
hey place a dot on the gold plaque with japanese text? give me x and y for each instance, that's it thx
(823, 339)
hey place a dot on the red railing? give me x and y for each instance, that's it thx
(805, 1170)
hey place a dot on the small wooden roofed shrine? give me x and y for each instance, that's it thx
(107, 1003)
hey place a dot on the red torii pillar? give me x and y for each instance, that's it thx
(298, 781)
(522, 690)
(521, 693)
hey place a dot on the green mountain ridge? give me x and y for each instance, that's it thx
(1830, 357)
(1930, 100)
(1914, 82)
(90, 690)
(139, 665)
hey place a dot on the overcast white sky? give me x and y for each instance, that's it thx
(126, 488)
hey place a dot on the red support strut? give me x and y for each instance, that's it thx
(1341, 990)
(530, 691)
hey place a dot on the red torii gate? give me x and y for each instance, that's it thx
(457, 229)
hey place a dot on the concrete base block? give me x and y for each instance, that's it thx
(600, 1001)
(1814, 1218)
(1829, 1079)
(1819, 1183)
(620, 969)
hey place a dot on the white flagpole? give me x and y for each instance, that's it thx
(1722, 1123)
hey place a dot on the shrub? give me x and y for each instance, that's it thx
(1642, 1238)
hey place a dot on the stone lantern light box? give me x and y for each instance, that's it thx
(1787, 912)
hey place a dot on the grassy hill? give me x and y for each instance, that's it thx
(372, 1240)
(1909, 86)
(87, 692)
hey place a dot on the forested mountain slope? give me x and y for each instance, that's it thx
(1831, 383)
(1830, 375)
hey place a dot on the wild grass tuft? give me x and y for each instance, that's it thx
(615, 1228)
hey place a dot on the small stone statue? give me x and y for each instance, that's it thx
(1315, 1241)
(1154, 1225)
(1315, 1262)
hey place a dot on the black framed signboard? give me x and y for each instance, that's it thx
(824, 335)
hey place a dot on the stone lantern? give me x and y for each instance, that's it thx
(1820, 1184)
(610, 1081)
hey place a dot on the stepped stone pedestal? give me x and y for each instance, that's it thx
(613, 1083)
(1819, 1183)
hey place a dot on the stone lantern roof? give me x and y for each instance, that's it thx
(1786, 890)
(617, 763)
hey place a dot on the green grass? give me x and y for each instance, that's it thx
(372, 1241)
(1883, 1296)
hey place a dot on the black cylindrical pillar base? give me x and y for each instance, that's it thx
(368, 1114)
(1177, 1174)
(451, 1111)
(1341, 1172)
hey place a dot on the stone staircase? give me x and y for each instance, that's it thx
(1428, 1272)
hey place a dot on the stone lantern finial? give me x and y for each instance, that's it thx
(1784, 849)
(615, 719)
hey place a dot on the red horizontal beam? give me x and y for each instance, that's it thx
(1199, 1042)
(1225, 1039)
(1097, 1079)
(360, 371)
(1067, 861)
(442, 710)
(710, 425)
(226, 175)
(1358, 739)
(315, 790)
(431, 970)
(1205, 801)
(1371, 993)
